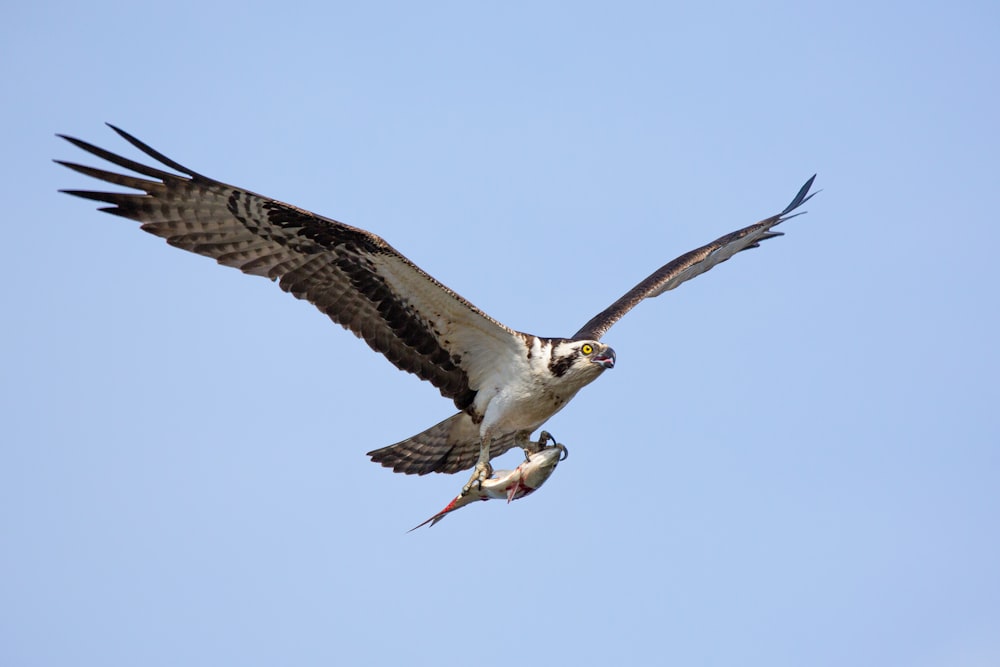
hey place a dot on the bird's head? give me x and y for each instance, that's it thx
(581, 359)
(599, 353)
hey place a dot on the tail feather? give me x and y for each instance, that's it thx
(450, 446)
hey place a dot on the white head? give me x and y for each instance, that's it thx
(580, 361)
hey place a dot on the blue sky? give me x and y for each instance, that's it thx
(794, 462)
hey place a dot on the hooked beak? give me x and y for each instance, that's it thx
(606, 359)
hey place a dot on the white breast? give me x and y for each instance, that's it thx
(524, 393)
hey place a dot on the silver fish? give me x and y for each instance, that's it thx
(509, 484)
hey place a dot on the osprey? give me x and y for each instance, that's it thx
(505, 383)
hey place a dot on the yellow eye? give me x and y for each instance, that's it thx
(587, 348)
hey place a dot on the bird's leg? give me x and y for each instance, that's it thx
(483, 469)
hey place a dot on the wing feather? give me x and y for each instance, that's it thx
(351, 275)
(692, 264)
(447, 447)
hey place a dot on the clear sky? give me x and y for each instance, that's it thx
(795, 462)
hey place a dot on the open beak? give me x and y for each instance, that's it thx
(606, 359)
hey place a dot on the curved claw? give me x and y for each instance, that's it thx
(543, 440)
(480, 474)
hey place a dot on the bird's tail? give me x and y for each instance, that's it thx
(449, 446)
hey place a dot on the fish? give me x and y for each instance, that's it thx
(523, 480)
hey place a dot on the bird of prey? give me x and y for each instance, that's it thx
(505, 383)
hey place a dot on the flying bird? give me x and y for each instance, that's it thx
(504, 383)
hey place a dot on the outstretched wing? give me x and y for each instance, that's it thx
(355, 277)
(692, 264)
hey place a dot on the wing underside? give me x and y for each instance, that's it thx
(349, 274)
(692, 264)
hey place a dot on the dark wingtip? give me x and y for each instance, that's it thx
(802, 196)
(122, 133)
(153, 153)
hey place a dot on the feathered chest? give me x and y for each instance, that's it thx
(531, 387)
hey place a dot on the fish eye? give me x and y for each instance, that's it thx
(587, 348)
